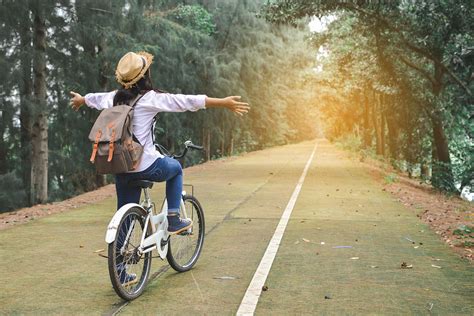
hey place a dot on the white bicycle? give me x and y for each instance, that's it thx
(136, 230)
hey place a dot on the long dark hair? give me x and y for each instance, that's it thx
(142, 86)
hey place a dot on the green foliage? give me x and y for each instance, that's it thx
(194, 17)
(464, 230)
(399, 76)
(349, 142)
(213, 48)
(390, 178)
(12, 193)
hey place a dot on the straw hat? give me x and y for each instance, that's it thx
(132, 67)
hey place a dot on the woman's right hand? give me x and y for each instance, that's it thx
(77, 100)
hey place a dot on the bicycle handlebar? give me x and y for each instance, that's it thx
(187, 144)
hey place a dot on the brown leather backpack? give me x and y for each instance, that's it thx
(115, 149)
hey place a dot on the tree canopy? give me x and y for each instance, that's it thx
(398, 77)
(217, 48)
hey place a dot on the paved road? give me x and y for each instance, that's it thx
(49, 266)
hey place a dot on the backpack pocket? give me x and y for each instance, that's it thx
(121, 161)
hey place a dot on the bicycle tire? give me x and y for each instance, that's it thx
(184, 249)
(122, 265)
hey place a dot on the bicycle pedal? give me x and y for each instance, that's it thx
(163, 242)
(185, 233)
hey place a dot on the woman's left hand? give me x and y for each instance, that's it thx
(233, 103)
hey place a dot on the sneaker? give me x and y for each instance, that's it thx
(176, 224)
(128, 279)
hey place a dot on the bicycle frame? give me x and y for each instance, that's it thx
(158, 222)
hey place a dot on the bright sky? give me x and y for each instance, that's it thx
(320, 24)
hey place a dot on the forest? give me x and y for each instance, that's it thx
(390, 79)
(217, 48)
(395, 80)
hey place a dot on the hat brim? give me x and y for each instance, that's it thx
(148, 59)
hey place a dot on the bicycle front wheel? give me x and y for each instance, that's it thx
(184, 248)
(128, 268)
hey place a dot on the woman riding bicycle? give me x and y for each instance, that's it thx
(133, 73)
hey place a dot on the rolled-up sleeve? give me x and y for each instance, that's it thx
(100, 100)
(167, 102)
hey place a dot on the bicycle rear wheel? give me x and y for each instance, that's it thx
(184, 248)
(128, 269)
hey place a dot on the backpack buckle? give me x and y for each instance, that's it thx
(96, 145)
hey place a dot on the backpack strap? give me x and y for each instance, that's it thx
(134, 101)
(96, 145)
(132, 104)
(153, 124)
(111, 146)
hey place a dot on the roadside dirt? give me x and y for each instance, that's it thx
(444, 214)
(27, 214)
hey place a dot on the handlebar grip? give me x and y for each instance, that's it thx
(195, 147)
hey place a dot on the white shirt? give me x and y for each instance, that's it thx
(144, 111)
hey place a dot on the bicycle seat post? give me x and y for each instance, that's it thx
(147, 197)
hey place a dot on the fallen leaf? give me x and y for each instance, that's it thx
(404, 265)
(225, 277)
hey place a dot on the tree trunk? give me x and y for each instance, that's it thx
(223, 140)
(367, 132)
(25, 102)
(392, 129)
(382, 128)
(208, 145)
(425, 171)
(377, 125)
(39, 135)
(231, 147)
(442, 174)
(5, 121)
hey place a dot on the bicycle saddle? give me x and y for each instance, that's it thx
(144, 184)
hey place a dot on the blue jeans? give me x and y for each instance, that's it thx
(163, 169)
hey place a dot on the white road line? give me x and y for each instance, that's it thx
(250, 300)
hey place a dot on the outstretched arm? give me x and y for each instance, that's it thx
(231, 103)
(98, 101)
(77, 100)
